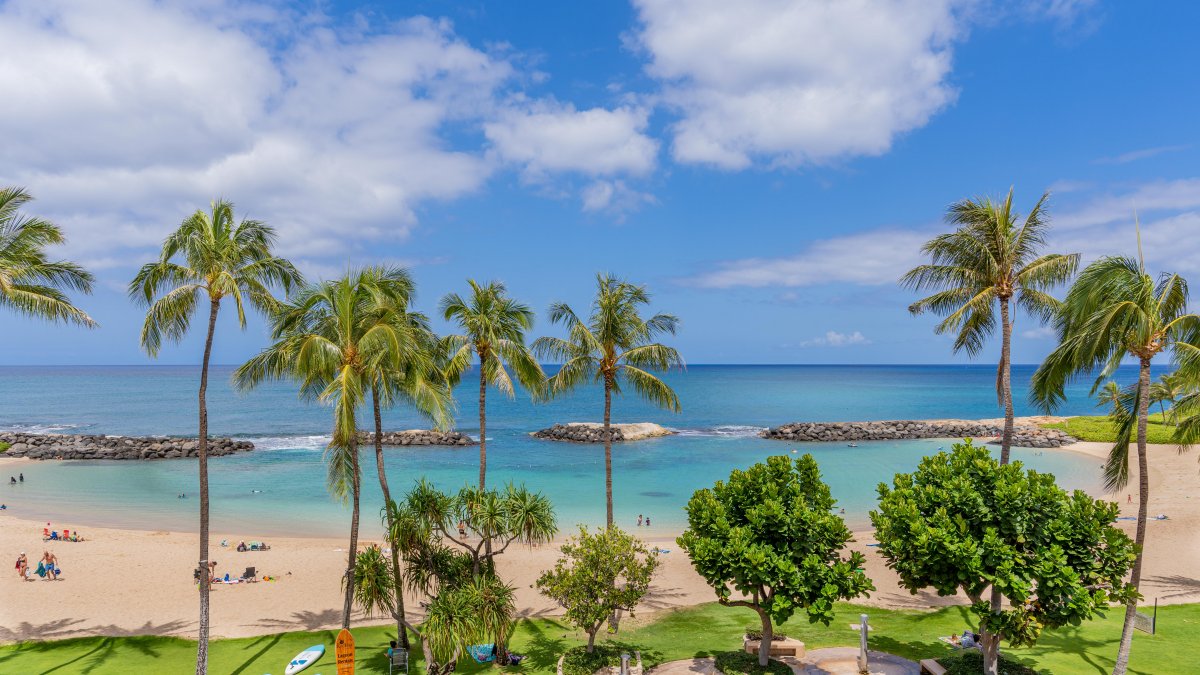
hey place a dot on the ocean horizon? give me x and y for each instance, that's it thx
(279, 488)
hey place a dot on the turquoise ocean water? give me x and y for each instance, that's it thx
(280, 487)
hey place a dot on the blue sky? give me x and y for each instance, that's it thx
(767, 168)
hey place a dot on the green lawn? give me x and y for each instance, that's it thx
(685, 633)
(1100, 429)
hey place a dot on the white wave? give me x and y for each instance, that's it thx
(317, 442)
(42, 428)
(723, 431)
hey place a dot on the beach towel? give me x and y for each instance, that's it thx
(483, 653)
(41, 569)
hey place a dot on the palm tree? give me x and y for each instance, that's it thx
(30, 283)
(990, 260)
(1116, 309)
(419, 382)
(614, 347)
(209, 256)
(333, 337)
(494, 327)
(1170, 387)
(1114, 397)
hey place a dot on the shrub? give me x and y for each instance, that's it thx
(4, 447)
(755, 633)
(578, 661)
(970, 662)
(741, 663)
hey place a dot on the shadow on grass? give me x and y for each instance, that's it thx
(270, 640)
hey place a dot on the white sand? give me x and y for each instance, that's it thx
(125, 582)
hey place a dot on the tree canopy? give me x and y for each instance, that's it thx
(598, 575)
(964, 522)
(770, 534)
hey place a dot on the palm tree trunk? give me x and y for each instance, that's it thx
(1135, 576)
(401, 633)
(608, 449)
(482, 426)
(355, 489)
(1006, 380)
(202, 455)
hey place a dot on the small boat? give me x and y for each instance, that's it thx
(852, 445)
(305, 659)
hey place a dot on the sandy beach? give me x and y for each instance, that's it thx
(127, 582)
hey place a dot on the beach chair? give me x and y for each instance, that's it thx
(397, 660)
(250, 574)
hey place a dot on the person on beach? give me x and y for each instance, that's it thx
(22, 565)
(647, 521)
(462, 529)
(49, 563)
(12, 480)
(212, 571)
(639, 520)
(22, 475)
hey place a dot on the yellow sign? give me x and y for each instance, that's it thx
(345, 653)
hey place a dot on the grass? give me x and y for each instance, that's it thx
(5, 446)
(1101, 429)
(705, 630)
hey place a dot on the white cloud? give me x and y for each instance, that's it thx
(1039, 333)
(549, 137)
(794, 83)
(334, 135)
(836, 339)
(874, 257)
(1172, 195)
(1144, 153)
(614, 196)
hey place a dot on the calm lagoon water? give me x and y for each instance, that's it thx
(280, 487)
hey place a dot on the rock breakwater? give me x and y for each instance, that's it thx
(593, 432)
(1023, 436)
(418, 437)
(84, 446)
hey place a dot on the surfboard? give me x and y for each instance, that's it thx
(305, 659)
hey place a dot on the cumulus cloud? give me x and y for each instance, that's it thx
(868, 258)
(835, 339)
(794, 83)
(331, 132)
(549, 137)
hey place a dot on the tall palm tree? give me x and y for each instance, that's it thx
(209, 256)
(1112, 396)
(1116, 309)
(1169, 388)
(614, 347)
(494, 327)
(30, 283)
(333, 337)
(990, 259)
(418, 381)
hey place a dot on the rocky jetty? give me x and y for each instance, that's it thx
(62, 446)
(1023, 436)
(418, 437)
(593, 432)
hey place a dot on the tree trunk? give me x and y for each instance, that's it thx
(355, 489)
(591, 640)
(1005, 377)
(990, 641)
(768, 636)
(482, 426)
(401, 633)
(1135, 576)
(608, 449)
(202, 455)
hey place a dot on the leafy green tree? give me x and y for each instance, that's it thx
(964, 522)
(210, 256)
(614, 347)
(770, 534)
(30, 283)
(598, 575)
(990, 260)
(494, 327)
(1116, 309)
(333, 337)
(1112, 396)
(415, 378)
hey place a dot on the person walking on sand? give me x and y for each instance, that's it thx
(22, 565)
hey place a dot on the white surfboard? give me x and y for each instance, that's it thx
(305, 659)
